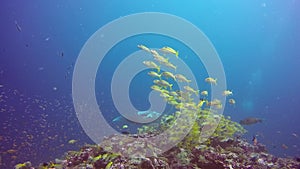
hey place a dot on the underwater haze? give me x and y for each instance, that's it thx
(40, 41)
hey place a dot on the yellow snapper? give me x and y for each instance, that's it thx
(167, 49)
(154, 52)
(156, 88)
(182, 78)
(151, 64)
(170, 65)
(211, 80)
(168, 75)
(227, 93)
(154, 74)
(200, 104)
(163, 83)
(189, 89)
(160, 58)
(204, 93)
(143, 47)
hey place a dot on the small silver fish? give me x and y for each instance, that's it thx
(18, 26)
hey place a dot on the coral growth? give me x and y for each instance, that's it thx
(220, 154)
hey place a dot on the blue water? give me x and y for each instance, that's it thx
(257, 41)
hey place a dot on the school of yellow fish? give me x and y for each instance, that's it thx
(178, 99)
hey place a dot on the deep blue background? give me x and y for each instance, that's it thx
(257, 41)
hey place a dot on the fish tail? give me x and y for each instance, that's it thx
(176, 54)
(171, 86)
(159, 76)
(158, 69)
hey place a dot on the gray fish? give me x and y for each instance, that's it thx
(146, 115)
(250, 120)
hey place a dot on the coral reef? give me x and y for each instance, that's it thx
(220, 154)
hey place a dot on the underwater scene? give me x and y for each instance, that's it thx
(150, 84)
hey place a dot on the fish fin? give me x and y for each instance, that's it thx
(171, 86)
(176, 54)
